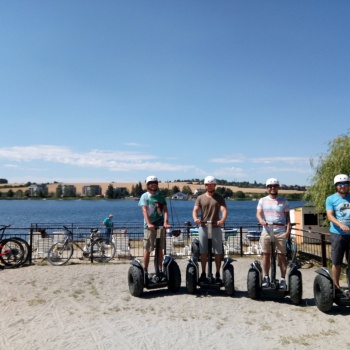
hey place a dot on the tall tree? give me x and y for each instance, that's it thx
(335, 161)
(110, 192)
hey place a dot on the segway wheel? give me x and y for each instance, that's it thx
(195, 249)
(174, 280)
(323, 293)
(191, 279)
(296, 288)
(229, 280)
(135, 281)
(253, 284)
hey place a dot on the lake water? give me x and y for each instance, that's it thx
(23, 213)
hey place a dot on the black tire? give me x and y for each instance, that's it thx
(195, 249)
(11, 253)
(291, 254)
(229, 280)
(26, 248)
(60, 253)
(135, 281)
(253, 286)
(101, 251)
(296, 288)
(323, 293)
(174, 278)
(191, 279)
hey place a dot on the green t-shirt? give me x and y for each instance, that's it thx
(155, 207)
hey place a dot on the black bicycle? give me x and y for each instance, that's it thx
(96, 248)
(12, 253)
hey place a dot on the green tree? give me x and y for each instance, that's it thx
(58, 192)
(3, 181)
(10, 193)
(175, 190)
(110, 191)
(335, 161)
(240, 195)
(137, 190)
(19, 194)
(187, 190)
(228, 193)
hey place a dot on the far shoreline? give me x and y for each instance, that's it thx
(128, 185)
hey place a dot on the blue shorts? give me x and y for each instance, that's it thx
(216, 241)
(340, 246)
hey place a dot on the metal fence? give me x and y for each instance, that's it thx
(239, 240)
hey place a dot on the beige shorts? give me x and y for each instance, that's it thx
(149, 239)
(280, 242)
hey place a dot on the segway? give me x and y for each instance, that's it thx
(325, 292)
(170, 277)
(192, 270)
(255, 278)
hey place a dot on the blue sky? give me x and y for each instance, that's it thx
(108, 90)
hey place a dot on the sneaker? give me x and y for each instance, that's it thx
(283, 284)
(266, 282)
(218, 279)
(203, 278)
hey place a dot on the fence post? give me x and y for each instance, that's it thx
(241, 239)
(323, 250)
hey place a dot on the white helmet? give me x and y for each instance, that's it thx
(272, 181)
(209, 180)
(151, 178)
(341, 178)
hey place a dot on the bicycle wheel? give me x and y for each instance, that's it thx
(11, 253)
(60, 253)
(101, 251)
(25, 246)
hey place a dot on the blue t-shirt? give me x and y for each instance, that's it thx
(155, 207)
(341, 208)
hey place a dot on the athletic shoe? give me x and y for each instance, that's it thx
(266, 282)
(203, 278)
(283, 284)
(218, 279)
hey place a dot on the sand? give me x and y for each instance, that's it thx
(84, 306)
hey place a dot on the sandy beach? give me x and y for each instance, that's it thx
(84, 306)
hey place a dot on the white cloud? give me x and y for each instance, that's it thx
(111, 160)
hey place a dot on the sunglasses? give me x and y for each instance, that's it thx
(270, 186)
(153, 183)
(346, 184)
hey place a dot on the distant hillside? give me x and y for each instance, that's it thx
(129, 185)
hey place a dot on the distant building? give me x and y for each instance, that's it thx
(180, 196)
(36, 190)
(91, 191)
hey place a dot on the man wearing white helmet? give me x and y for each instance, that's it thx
(338, 213)
(274, 210)
(210, 204)
(155, 213)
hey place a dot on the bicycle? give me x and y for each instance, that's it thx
(96, 248)
(12, 253)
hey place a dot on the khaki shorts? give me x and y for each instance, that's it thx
(149, 239)
(280, 242)
(216, 240)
